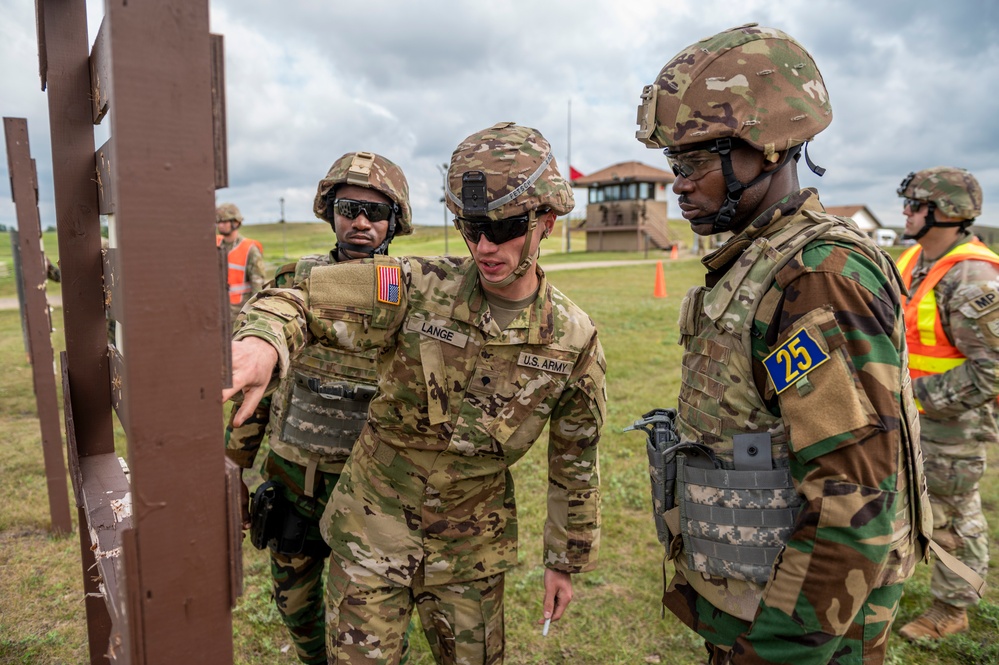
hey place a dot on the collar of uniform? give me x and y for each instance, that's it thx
(230, 245)
(470, 303)
(772, 220)
(541, 328)
(963, 238)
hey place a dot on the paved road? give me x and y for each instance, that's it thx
(552, 267)
(55, 299)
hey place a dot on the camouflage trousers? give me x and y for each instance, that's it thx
(959, 524)
(865, 641)
(365, 620)
(298, 579)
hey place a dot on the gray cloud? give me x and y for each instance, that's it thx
(912, 86)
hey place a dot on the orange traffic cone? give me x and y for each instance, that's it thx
(660, 289)
(674, 253)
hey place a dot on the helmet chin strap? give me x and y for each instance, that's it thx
(932, 221)
(721, 221)
(364, 249)
(527, 258)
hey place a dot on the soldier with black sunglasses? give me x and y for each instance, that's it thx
(476, 356)
(314, 416)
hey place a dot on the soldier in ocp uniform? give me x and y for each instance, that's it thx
(952, 327)
(475, 357)
(246, 273)
(800, 505)
(313, 419)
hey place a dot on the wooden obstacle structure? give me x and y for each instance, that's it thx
(29, 265)
(160, 541)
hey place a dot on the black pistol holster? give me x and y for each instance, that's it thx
(662, 446)
(274, 522)
(660, 427)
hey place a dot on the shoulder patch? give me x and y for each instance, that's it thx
(388, 284)
(793, 359)
(985, 301)
(993, 327)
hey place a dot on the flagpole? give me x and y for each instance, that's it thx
(565, 226)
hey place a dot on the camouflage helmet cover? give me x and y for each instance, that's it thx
(228, 212)
(955, 192)
(519, 168)
(751, 83)
(366, 169)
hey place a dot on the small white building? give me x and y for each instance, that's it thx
(885, 237)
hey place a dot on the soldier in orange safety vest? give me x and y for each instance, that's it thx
(245, 257)
(952, 332)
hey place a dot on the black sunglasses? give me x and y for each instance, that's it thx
(374, 211)
(914, 204)
(496, 232)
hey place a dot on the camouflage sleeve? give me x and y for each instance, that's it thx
(968, 301)
(256, 272)
(843, 418)
(278, 316)
(572, 529)
(243, 442)
(52, 271)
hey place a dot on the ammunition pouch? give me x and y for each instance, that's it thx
(275, 525)
(325, 418)
(734, 522)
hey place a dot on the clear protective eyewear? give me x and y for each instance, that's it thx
(694, 164)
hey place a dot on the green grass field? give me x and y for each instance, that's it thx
(615, 616)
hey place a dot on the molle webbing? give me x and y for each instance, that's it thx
(327, 424)
(728, 528)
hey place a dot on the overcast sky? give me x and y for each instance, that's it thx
(913, 84)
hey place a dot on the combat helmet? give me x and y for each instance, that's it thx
(752, 84)
(366, 169)
(228, 212)
(953, 191)
(504, 172)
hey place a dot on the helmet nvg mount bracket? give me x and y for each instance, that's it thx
(505, 171)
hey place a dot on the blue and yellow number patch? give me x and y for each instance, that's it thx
(793, 359)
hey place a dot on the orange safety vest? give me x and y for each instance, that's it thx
(239, 288)
(930, 352)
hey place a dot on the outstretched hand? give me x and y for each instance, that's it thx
(253, 362)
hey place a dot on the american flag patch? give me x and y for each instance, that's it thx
(388, 284)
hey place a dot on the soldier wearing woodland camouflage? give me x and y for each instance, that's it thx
(952, 327)
(475, 357)
(314, 417)
(245, 257)
(800, 505)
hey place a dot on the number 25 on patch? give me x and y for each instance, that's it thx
(793, 359)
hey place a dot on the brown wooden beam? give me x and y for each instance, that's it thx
(24, 189)
(64, 71)
(219, 131)
(162, 165)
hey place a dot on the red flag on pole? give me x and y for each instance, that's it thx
(574, 174)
